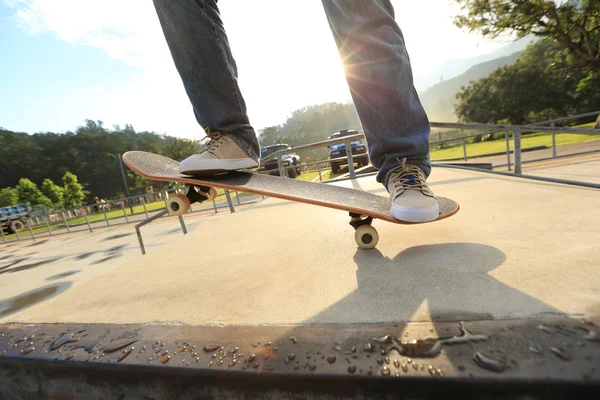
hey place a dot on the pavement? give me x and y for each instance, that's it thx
(517, 249)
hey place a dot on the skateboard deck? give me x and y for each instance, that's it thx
(358, 203)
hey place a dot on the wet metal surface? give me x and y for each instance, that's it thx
(477, 349)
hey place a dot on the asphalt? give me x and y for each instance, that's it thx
(517, 249)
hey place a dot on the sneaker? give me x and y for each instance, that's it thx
(221, 154)
(412, 200)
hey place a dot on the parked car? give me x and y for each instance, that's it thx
(270, 165)
(359, 151)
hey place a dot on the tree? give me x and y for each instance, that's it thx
(53, 192)
(180, 149)
(8, 197)
(544, 83)
(28, 192)
(575, 24)
(73, 193)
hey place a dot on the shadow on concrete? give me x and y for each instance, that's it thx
(451, 280)
(36, 296)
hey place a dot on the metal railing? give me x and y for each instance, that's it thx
(512, 133)
(51, 222)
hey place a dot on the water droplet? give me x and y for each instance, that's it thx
(560, 353)
(211, 347)
(231, 363)
(422, 367)
(331, 359)
(194, 354)
(125, 354)
(234, 350)
(387, 360)
(351, 369)
(380, 361)
(63, 339)
(430, 329)
(387, 339)
(291, 357)
(210, 363)
(439, 372)
(27, 351)
(415, 366)
(396, 363)
(489, 363)
(165, 359)
(164, 353)
(220, 361)
(294, 339)
(119, 346)
(385, 371)
(536, 349)
(296, 367)
(404, 367)
(308, 356)
(337, 348)
(546, 328)
(409, 361)
(251, 358)
(368, 347)
(312, 367)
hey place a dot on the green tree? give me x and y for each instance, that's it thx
(545, 83)
(8, 197)
(270, 135)
(180, 149)
(575, 24)
(28, 192)
(73, 193)
(53, 192)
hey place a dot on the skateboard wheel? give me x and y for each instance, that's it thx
(212, 194)
(178, 204)
(366, 237)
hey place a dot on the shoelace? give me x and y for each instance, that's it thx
(216, 139)
(408, 177)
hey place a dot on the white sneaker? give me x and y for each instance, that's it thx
(412, 200)
(221, 154)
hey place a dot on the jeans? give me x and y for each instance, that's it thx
(377, 67)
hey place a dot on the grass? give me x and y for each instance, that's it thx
(529, 140)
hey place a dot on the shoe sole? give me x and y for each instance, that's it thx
(409, 214)
(212, 167)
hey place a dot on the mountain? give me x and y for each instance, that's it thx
(440, 99)
(453, 68)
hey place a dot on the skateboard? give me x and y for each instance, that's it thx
(362, 206)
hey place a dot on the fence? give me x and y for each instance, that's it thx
(512, 134)
(48, 222)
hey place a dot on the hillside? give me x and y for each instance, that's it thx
(439, 100)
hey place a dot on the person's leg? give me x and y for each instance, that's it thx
(200, 49)
(396, 126)
(379, 75)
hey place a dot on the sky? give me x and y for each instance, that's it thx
(64, 61)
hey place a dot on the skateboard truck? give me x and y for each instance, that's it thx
(179, 204)
(365, 235)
